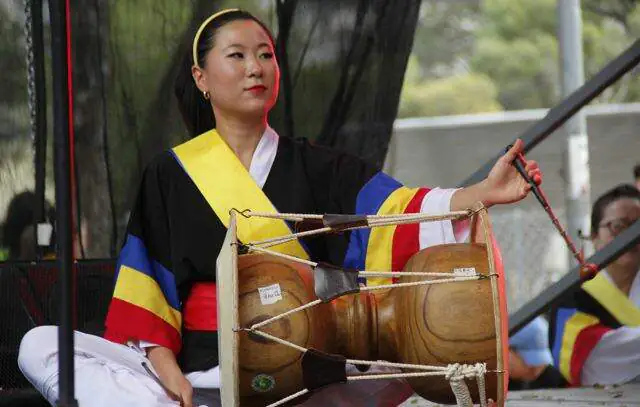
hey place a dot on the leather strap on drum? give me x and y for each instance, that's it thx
(331, 282)
(336, 222)
(320, 369)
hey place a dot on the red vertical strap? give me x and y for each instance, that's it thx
(72, 165)
(586, 340)
(406, 238)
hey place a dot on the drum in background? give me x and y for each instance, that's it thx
(432, 325)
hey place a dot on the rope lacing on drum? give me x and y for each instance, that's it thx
(435, 278)
(481, 371)
(456, 375)
(371, 221)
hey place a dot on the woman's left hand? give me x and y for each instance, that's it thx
(504, 184)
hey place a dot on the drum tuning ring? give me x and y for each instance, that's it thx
(244, 213)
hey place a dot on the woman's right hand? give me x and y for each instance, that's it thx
(181, 387)
(176, 384)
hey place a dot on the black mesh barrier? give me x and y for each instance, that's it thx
(29, 295)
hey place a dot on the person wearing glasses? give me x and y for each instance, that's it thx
(595, 336)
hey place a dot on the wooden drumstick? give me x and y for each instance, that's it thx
(587, 270)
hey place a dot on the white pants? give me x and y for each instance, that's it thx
(106, 373)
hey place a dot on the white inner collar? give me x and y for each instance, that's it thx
(264, 156)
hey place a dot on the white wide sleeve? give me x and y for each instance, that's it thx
(615, 358)
(437, 202)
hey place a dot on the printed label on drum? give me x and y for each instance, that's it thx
(464, 271)
(270, 294)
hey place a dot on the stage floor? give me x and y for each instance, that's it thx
(627, 395)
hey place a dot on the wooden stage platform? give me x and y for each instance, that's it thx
(627, 395)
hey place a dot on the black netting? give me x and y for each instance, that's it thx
(342, 64)
(29, 297)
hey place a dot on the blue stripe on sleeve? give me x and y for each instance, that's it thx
(134, 255)
(368, 202)
(561, 321)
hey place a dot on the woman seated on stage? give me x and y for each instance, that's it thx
(164, 305)
(596, 339)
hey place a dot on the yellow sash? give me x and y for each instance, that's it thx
(613, 300)
(226, 184)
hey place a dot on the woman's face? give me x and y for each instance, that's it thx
(617, 216)
(241, 72)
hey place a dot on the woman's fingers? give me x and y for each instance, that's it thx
(533, 171)
(536, 176)
(531, 165)
(513, 152)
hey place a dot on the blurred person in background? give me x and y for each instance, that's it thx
(19, 233)
(596, 334)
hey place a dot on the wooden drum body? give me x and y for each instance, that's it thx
(269, 286)
(436, 325)
(449, 323)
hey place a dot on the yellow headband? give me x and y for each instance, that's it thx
(202, 26)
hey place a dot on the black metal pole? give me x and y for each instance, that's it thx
(568, 107)
(62, 163)
(602, 258)
(40, 112)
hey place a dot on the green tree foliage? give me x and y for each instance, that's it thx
(507, 50)
(519, 52)
(444, 36)
(459, 94)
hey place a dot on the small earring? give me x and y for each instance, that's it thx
(206, 94)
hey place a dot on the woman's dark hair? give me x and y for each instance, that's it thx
(195, 109)
(619, 192)
(20, 216)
